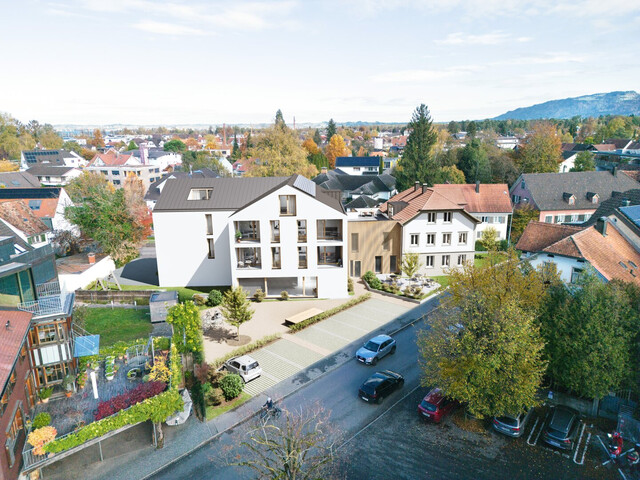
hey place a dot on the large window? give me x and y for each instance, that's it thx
(447, 217)
(247, 231)
(413, 239)
(330, 256)
(378, 264)
(429, 261)
(275, 258)
(287, 204)
(431, 239)
(249, 258)
(431, 217)
(446, 260)
(354, 242)
(329, 229)
(302, 257)
(302, 230)
(200, 194)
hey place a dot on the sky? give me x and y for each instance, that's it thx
(173, 62)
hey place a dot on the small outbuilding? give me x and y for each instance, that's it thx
(160, 303)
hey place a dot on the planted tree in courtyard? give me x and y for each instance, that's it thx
(484, 346)
(411, 264)
(187, 328)
(299, 446)
(585, 162)
(236, 307)
(489, 238)
(520, 219)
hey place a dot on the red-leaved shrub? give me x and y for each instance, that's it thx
(125, 400)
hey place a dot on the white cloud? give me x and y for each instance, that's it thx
(460, 38)
(414, 76)
(163, 28)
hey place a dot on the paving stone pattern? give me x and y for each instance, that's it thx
(285, 358)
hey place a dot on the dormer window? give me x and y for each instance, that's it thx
(200, 194)
(593, 197)
(390, 210)
(570, 198)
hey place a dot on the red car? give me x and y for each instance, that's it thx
(435, 405)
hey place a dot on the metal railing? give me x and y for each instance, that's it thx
(48, 289)
(51, 301)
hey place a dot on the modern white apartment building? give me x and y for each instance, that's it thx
(272, 233)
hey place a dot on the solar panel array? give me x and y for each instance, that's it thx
(632, 213)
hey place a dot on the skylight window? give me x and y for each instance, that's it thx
(200, 194)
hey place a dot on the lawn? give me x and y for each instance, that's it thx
(482, 259)
(184, 293)
(213, 412)
(116, 324)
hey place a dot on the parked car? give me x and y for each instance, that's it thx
(375, 349)
(562, 429)
(512, 425)
(380, 385)
(435, 405)
(245, 366)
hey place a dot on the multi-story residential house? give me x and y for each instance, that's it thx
(358, 165)
(17, 389)
(570, 197)
(273, 233)
(489, 203)
(156, 157)
(434, 226)
(46, 203)
(116, 167)
(605, 246)
(53, 176)
(59, 157)
(375, 244)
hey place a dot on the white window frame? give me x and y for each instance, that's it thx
(411, 237)
(444, 239)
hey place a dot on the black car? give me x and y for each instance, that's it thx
(562, 429)
(380, 385)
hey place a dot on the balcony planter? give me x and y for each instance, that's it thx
(45, 393)
(238, 236)
(67, 383)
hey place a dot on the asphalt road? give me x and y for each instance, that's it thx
(388, 440)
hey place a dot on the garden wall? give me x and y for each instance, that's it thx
(141, 297)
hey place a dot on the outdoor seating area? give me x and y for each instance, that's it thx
(428, 285)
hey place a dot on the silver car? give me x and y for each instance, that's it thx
(512, 425)
(245, 366)
(375, 349)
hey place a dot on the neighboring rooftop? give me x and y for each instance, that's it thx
(481, 198)
(234, 193)
(14, 326)
(548, 189)
(609, 207)
(358, 184)
(20, 216)
(76, 264)
(18, 180)
(48, 170)
(111, 158)
(357, 162)
(539, 235)
(155, 189)
(52, 157)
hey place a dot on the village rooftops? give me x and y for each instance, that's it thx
(14, 326)
(18, 180)
(357, 162)
(234, 193)
(539, 235)
(480, 198)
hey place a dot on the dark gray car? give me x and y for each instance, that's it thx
(562, 429)
(512, 425)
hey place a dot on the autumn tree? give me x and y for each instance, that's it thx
(332, 129)
(336, 148)
(299, 446)
(362, 152)
(134, 192)
(542, 150)
(7, 166)
(50, 139)
(187, 328)
(520, 219)
(211, 142)
(98, 139)
(584, 162)
(590, 346)
(484, 347)
(451, 174)
(279, 153)
(417, 163)
(310, 146)
(192, 143)
(236, 307)
(411, 264)
(489, 238)
(86, 185)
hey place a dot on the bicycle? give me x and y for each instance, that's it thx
(274, 412)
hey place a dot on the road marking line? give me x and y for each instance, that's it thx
(575, 454)
(584, 453)
(541, 428)
(622, 474)
(282, 358)
(330, 333)
(533, 429)
(376, 419)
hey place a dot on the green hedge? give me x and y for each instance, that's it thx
(329, 313)
(156, 409)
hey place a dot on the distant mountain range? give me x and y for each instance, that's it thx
(612, 103)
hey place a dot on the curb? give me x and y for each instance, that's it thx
(295, 390)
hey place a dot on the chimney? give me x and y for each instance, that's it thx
(7, 325)
(626, 202)
(477, 186)
(424, 187)
(601, 225)
(416, 186)
(614, 172)
(91, 257)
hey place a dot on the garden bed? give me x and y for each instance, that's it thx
(224, 407)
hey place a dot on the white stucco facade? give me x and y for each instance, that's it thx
(499, 221)
(440, 241)
(267, 256)
(566, 266)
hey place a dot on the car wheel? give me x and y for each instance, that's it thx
(393, 350)
(401, 383)
(381, 399)
(374, 361)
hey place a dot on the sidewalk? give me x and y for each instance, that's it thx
(143, 460)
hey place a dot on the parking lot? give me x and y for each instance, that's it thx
(293, 353)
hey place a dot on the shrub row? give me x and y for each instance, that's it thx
(248, 348)
(330, 312)
(143, 391)
(156, 409)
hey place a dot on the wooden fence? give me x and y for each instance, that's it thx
(140, 297)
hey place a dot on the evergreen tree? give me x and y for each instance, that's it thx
(417, 163)
(453, 127)
(132, 145)
(474, 163)
(280, 120)
(317, 138)
(472, 129)
(331, 129)
(235, 153)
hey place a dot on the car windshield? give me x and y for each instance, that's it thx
(252, 366)
(430, 407)
(509, 421)
(373, 346)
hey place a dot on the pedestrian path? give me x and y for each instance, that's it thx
(288, 356)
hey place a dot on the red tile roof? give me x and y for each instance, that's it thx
(110, 159)
(604, 147)
(539, 235)
(491, 198)
(47, 208)
(417, 201)
(11, 340)
(18, 214)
